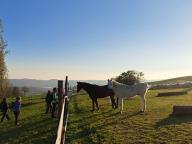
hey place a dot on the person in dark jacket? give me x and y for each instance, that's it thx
(48, 100)
(4, 109)
(54, 101)
(16, 109)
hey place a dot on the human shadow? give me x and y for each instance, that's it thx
(174, 120)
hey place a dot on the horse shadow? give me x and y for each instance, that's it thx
(174, 120)
(127, 114)
(89, 127)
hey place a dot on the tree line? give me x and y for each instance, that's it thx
(17, 91)
(4, 83)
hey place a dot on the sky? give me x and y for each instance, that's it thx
(97, 39)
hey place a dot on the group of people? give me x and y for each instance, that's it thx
(51, 106)
(52, 102)
(16, 105)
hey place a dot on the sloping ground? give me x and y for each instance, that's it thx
(156, 125)
(174, 80)
(35, 127)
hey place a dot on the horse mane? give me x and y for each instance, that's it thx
(117, 83)
(85, 83)
(89, 84)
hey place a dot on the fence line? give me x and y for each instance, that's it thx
(66, 112)
(60, 127)
(63, 108)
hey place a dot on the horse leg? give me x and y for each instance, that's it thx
(93, 105)
(97, 104)
(120, 102)
(113, 102)
(117, 103)
(143, 103)
(121, 105)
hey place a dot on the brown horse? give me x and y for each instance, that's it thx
(96, 91)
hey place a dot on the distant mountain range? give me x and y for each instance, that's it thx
(37, 86)
(53, 82)
(48, 83)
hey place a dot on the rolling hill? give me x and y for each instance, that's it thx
(174, 80)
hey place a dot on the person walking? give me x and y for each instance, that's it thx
(4, 109)
(16, 109)
(48, 100)
(54, 101)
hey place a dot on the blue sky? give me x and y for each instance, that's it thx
(97, 39)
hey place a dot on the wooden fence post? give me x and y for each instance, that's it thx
(60, 96)
(66, 107)
(63, 111)
(66, 86)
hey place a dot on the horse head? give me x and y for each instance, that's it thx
(110, 83)
(79, 86)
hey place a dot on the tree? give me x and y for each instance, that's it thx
(15, 91)
(4, 83)
(130, 77)
(25, 90)
(9, 90)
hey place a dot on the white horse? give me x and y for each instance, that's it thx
(127, 91)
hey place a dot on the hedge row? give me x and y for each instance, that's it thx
(172, 93)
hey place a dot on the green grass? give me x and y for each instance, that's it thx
(35, 127)
(108, 126)
(156, 125)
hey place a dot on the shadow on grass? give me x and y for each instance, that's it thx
(28, 103)
(87, 114)
(174, 120)
(75, 103)
(31, 131)
(87, 126)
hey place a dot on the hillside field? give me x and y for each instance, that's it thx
(108, 126)
(156, 125)
(174, 80)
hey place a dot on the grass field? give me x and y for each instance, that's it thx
(108, 126)
(35, 127)
(156, 125)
